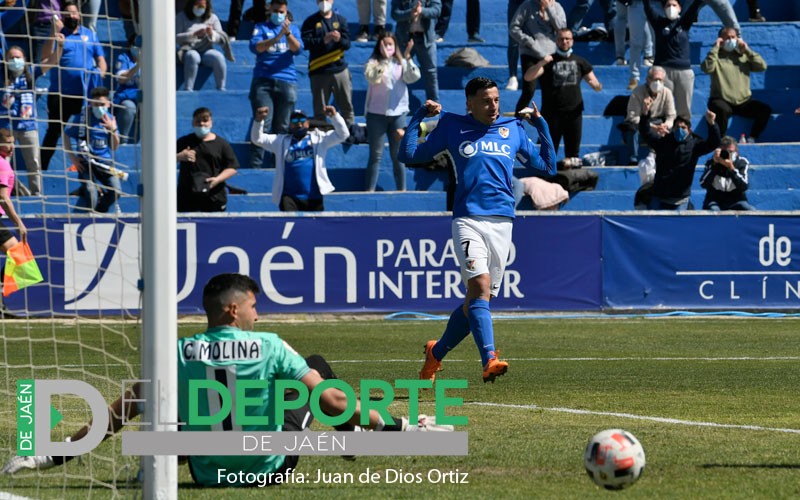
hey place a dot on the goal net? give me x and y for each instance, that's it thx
(81, 209)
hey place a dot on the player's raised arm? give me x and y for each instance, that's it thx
(545, 158)
(410, 151)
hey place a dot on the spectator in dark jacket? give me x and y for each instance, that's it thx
(671, 28)
(676, 159)
(326, 37)
(726, 179)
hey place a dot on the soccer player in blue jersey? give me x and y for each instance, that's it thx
(483, 148)
(230, 347)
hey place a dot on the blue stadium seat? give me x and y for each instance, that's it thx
(774, 160)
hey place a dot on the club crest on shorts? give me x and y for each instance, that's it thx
(503, 131)
(470, 264)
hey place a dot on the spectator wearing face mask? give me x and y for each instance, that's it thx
(729, 63)
(81, 63)
(676, 160)
(206, 162)
(301, 179)
(726, 179)
(654, 100)
(197, 29)
(671, 30)
(275, 43)
(18, 113)
(387, 72)
(96, 136)
(326, 37)
(560, 75)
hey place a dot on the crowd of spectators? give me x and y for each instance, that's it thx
(650, 36)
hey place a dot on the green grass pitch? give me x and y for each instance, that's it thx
(714, 402)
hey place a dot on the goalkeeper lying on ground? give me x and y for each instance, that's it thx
(230, 304)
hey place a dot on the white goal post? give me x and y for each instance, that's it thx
(159, 238)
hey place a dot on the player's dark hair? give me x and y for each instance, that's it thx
(726, 29)
(279, 2)
(477, 84)
(220, 287)
(99, 92)
(201, 111)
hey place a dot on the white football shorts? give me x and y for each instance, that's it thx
(482, 245)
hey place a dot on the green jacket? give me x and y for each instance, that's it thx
(730, 73)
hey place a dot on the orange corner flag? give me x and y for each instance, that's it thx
(21, 269)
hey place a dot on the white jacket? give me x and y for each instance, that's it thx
(320, 141)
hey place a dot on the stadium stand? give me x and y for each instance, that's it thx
(774, 163)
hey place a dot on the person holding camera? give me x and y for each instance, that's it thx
(726, 179)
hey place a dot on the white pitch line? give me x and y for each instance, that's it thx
(587, 358)
(662, 420)
(630, 358)
(4, 495)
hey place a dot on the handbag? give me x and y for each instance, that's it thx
(411, 72)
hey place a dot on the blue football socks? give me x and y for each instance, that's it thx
(457, 329)
(480, 322)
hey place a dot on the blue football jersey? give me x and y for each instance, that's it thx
(483, 156)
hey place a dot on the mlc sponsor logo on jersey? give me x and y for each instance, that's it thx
(468, 149)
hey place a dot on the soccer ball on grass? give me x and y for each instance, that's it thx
(614, 459)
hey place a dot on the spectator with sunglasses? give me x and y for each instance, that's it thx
(301, 178)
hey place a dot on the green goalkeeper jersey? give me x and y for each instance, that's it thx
(227, 354)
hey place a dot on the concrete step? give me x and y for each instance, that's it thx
(596, 129)
(768, 39)
(389, 201)
(357, 156)
(348, 178)
(767, 199)
(63, 204)
(762, 177)
(773, 10)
